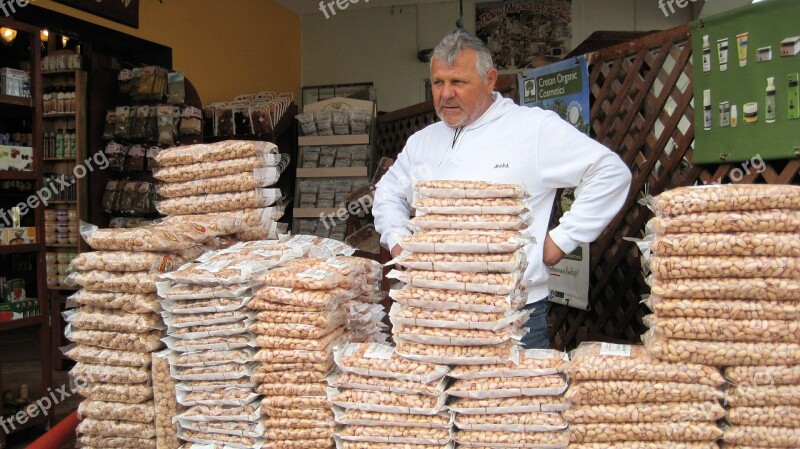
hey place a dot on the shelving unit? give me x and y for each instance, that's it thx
(26, 261)
(331, 174)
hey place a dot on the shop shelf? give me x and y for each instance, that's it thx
(334, 172)
(59, 115)
(354, 139)
(62, 288)
(63, 202)
(14, 249)
(18, 175)
(61, 245)
(312, 212)
(60, 72)
(12, 100)
(56, 159)
(21, 323)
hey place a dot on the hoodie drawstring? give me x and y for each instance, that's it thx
(456, 134)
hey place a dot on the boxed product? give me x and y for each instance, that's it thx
(12, 290)
(15, 82)
(17, 236)
(16, 158)
(19, 309)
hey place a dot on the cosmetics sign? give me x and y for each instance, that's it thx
(746, 65)
(563, 87)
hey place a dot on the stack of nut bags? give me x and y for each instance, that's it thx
(385, 401)
(230, 176)
(470, 243)
(302, 313)
(214, 358)
(366, 311)
(764, 407)
(515, 404)
(725, 264)
(621, 396)
(117, 327)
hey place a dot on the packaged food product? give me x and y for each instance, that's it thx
(372, 359)
(115, 428)
(469, 189)
(461, 206)
(500, 222)
(213, 169)
(721, 353)
(126, 261)
(479, 242)
(454, 300)
(507, 387)
(205, 152)
(237, 182)
(775, 220)
(664, 432)
(490, 283)
(591, 392)
(519, 422)
(729, 197)
(676, 412)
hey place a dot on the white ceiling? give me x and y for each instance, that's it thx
(312, 6)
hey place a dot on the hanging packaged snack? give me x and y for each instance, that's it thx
(241, 119)
(115, 153)
(176, 89)
(138, 122)
(223, 121)
(324, 122)
(151, 126)
(124, 79)
(341, 121)
(308, 126)
(135, 160)
(109, 196)
(327, 157)
(121, 125)
(151, 154)
(311, 157)
(166, 128)
(109, 126)
(359, 121)
(147, 79)
(191, 122)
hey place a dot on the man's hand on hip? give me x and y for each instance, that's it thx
(395, 251)
(552, 253)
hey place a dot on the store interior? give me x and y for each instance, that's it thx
(249, 70)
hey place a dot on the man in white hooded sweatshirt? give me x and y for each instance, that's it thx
(483, 136)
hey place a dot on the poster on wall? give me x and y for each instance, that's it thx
(525, 33)
(746, 77)
(125, 12)
(563, 87)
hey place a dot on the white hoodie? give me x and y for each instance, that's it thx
(512, 144)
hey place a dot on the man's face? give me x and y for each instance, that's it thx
(459, 95)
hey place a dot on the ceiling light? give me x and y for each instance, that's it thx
(44, 35)
(8, 35)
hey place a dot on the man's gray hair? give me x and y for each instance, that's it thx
(451, 45)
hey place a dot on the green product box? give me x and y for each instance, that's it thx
(13, 290)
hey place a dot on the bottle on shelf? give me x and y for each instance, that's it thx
(60, 143)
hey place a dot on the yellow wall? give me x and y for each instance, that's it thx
(226, 48)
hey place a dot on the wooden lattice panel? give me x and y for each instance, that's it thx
(396, 127)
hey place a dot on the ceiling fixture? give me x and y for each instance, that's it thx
(44, 35)
(8, 35)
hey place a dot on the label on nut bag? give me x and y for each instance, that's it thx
(214, 266)
(378, 351)
(350, 350)
(538, 354)
(313, 274)
(615, 350)
(336, 263)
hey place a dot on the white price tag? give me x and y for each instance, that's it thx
(313, 274)
(215, 266)
(336, 263)
(350, 350)
(515, 354)
(538, 354)
(378, 351)
(615, 350)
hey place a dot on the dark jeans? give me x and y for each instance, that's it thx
(537, 337)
